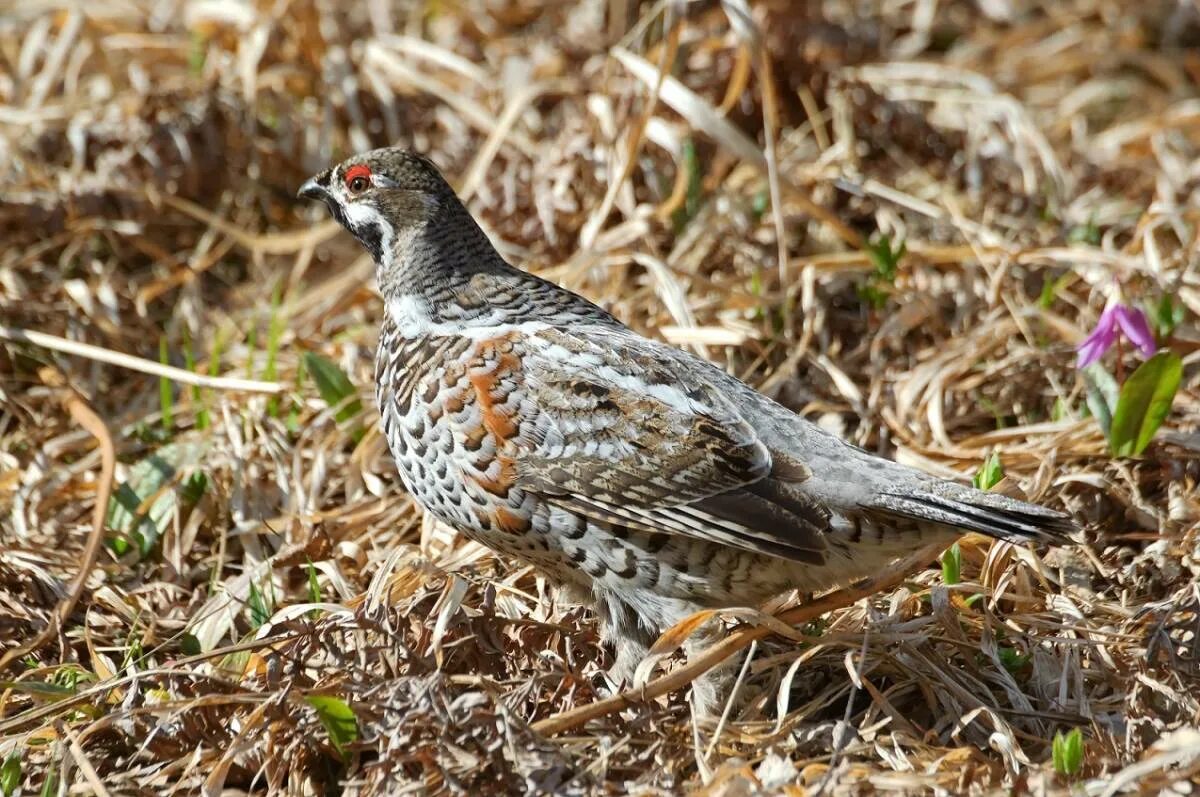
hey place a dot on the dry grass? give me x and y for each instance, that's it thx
(150, 153)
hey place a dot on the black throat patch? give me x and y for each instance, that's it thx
(371, 236)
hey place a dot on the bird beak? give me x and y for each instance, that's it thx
(313, 190)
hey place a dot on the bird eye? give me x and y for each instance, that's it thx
(358, 179)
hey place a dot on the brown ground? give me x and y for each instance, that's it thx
(1027, 157)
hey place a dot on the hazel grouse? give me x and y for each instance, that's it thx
(646, 478)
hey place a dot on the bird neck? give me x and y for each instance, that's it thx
(445, 278)
(441, 277)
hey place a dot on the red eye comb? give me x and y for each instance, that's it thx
(355, 172)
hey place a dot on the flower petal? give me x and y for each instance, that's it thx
(1091, 350)
(1135, 326)
(1100, 340)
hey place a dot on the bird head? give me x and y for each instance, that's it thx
(383, 197)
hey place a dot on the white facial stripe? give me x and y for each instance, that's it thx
(361, 213)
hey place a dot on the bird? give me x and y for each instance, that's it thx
(644, 479)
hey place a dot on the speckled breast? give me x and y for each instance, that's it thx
(450, 410)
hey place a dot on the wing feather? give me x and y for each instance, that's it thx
(625, 434)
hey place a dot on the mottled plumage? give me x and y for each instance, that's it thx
(649, 480)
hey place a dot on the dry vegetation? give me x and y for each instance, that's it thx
(261, 551)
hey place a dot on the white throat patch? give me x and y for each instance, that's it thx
(410, 314)
(361, 214)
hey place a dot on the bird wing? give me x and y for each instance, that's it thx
(633, 433)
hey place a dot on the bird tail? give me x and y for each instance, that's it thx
(993, 514)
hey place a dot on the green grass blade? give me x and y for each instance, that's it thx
(952, 565)
(275, 329)
(10, 775)
(990, 472)
(165, 397)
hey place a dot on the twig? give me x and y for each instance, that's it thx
(733, 693)
(654, 79)
(286, 243)
(739, 639)
(81, 760)
(123, 360)
(508, 117)
(841, 731)
(84, 416)
(770, 128)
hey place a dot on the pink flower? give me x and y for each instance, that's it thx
(1117, 318)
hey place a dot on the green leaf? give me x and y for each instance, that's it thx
(334, 386)
(68, 676)
(337, 717)
(1102, 394)
(885, 258)
(189, 645)
(10, 775)
(43, 690)
(761, 203)
(1000, 415)
(150, 478)
(694, 194)
(695, 180)
(1085, 233)
(1058, 753)
(194, 487)
(1144, 402)
(952, 565)
(197, 53)
(235, 663)
(876, 297)
(1050, 289)
(990, 472)
(1012, 659)
(1074, 752)
(1166, 315)
(1067, 752)
(133, 653)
